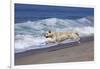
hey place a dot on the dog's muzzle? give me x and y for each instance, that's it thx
(47, 36)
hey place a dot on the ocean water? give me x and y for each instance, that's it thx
(32, 21)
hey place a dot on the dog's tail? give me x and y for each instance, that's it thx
(77, 34)
(78, 37)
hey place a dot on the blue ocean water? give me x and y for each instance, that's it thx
(26, 12)
(32, 21)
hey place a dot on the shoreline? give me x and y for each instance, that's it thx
(19, 57)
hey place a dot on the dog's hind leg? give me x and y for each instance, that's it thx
(79, 42)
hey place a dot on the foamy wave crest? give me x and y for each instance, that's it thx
(27, 42)
(29, 35)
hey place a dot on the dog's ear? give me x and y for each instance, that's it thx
(49, 31)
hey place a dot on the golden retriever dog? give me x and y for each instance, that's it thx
(53, 37)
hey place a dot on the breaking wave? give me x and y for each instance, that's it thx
(29, 35)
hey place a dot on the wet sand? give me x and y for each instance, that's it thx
(76, 53)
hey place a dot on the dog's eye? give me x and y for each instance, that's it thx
(49, 31)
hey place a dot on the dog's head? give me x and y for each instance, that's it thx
(48, 34)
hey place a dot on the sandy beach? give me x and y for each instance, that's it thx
(80, 52)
